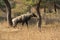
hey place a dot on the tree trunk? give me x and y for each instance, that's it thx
(8, 10)
(38, 12)
(44, 8)
(55, 6)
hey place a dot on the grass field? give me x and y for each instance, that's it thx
(47, 32)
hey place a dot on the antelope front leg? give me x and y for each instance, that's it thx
(27, 23)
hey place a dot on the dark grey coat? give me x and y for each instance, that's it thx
(23, 19)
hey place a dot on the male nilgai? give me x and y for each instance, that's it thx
(23, 19)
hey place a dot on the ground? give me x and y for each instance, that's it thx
(47, 32)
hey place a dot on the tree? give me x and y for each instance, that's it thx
(55, 6)
(38, 12)
(8, 9)
(45, 6)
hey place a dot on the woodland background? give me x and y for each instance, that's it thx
(50, 29)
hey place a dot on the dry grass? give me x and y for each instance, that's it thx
(48, 32)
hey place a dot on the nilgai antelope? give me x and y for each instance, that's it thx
(23, 19)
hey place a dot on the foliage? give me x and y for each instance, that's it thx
(2, 4)
(27, 4)
(30, 2)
